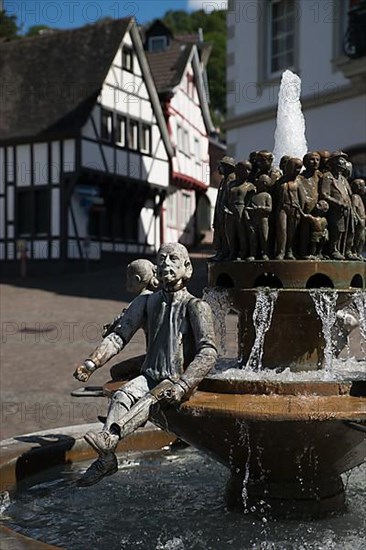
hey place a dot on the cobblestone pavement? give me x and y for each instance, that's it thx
(48, 326)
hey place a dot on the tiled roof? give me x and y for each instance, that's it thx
(167, 66)
(51, 82)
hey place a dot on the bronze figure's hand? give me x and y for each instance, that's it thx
(175, 394)
(82, 374)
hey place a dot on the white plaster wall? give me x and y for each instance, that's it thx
(159, 173)
(2, 170)
(56, 162)
(11, 251)
(40, 250)
(10, 164)
(69, 155)
(2, 218)
(40, 166)
(10, 203)
(149, 226)
(23, 165)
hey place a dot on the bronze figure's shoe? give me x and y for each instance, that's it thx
(104, 466)
(337, 256)
(290, 256)
(103, 442)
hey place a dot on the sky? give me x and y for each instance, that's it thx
(65, 14)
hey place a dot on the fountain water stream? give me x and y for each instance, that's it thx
(290, 129)
(262, 317)
(325, 305)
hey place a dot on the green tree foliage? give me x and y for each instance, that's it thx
(34, 30)
(213, 26)
(8, 25)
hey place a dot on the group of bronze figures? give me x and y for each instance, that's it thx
(306, 209)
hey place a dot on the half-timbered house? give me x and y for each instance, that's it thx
(178, 65)
(84, 146)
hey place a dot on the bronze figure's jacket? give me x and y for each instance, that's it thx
(180, 335)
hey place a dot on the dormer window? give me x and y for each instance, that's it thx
(127, 59)
(158, 43)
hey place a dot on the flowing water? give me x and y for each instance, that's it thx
(172, 500)
(262, 317)
(359, 301)
(325, 305)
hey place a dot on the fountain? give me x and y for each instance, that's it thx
(283, 417)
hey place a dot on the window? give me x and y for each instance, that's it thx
(172, 209)
(281, 42)
(33, 211)
(186, 142)
(157, 43)
(127, 59)
(106, 125)
(133, 135)
(183, 140)
(121, 131)
(145, 145)
(179, 137)
(197, 150)
(186, 209)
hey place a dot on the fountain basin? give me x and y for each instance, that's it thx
(290, 445)
(32, 454)
(161, 500)
(294, 338)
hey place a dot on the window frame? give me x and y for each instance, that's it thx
(109, 114)
(270, 39)
(127, 53)
(32, 192)
(156, 39)
(132, 123)
(145, 127)
(119, 120)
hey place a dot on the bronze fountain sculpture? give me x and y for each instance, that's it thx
(288, 257)
(271, 432)
(289, 245)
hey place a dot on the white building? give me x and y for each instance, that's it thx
(178, 65)
(265, 37)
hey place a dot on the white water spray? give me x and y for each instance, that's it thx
(360, 303)
(325, 306)
(262, 317)
(290, 129)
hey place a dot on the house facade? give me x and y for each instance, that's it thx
(267, 37)
(88, 159)
(178, 65)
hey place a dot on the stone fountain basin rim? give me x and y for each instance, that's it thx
(341, 292)
(65, 445)
(218, 385)
(278, 408)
